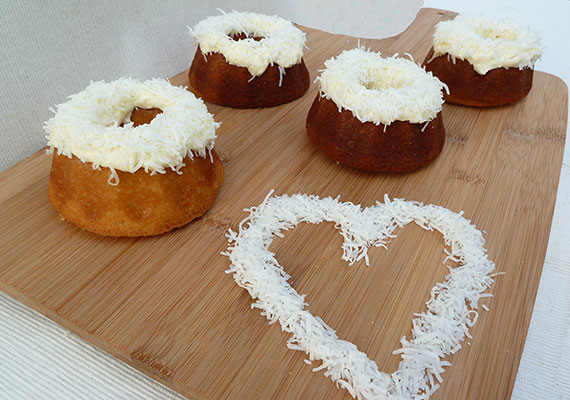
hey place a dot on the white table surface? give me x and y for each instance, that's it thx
(41, 360)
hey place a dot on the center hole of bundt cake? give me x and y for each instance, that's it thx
(142, 116)
(496, 34)
(242, 36)
(383, 83)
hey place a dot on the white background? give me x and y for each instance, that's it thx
(49, 50)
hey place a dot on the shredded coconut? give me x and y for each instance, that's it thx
(436, 332)
(487, 43)
(88, 126)
(281, 43)
(381, 90)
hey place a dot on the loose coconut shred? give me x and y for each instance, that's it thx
(436, 332)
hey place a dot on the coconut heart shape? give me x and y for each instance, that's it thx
(436, 332)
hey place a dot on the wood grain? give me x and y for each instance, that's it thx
(164, 304)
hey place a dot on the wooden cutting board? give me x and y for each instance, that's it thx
(165, 306)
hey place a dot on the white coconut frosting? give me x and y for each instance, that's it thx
(381, 90)
(88, 126)
(281, 42)
(487, 43)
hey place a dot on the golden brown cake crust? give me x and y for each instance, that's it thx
(141, 204)
(402, 147)
(498, 86)
(214, 80)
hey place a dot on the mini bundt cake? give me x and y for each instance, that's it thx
(247, 60)
(484, 62)
(377, 114)
(133, 158)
